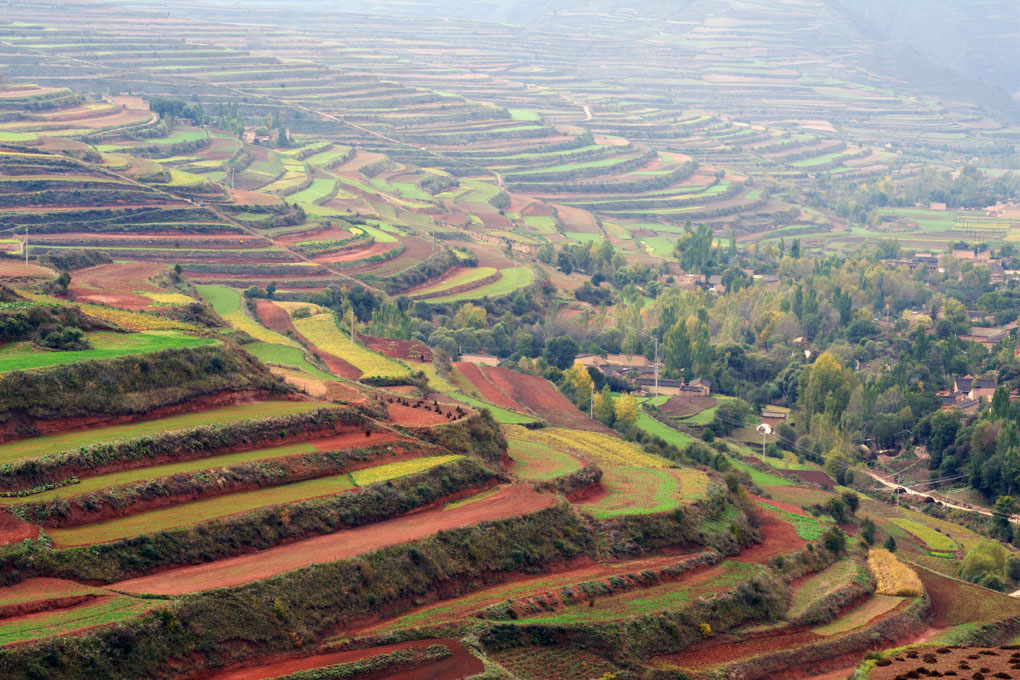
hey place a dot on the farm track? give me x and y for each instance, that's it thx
(513, 501)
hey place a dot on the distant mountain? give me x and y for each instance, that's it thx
(976, 38)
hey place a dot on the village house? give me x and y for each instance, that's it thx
(967, 393)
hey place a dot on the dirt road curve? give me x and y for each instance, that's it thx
(235, 571)
(912, 492)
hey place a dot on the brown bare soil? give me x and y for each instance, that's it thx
(398, 349)
(14, 269)
(962, 662)
(14, 530)
(408, 416)
(117, 284)
(816, 477)
(461, 665)
(355, 255)
(788, 507)
(538, 396)
(682, 407)
(278, 320)
(514, 500)
(489, 392)
(777, 538)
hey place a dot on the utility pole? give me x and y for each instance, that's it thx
(656, 369)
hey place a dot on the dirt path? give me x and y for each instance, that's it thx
(234, 571)
(949, 504)
(460, 665)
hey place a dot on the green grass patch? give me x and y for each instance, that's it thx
(90, 484)
(511, 279)
(808, 528)
(66, 441)
(524, 114)
(462, 278)
(539, 462)
(501, 415)
(229, 504)
(650, 601)
(23, 356)
(286, 355)
(645, 491)
(112, 610)
(935, 541)
(664, 432)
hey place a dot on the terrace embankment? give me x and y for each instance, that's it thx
(459, 664)
(104, 392)
(512, 501)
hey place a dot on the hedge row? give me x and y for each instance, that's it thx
(205, 632)
(247, 532)
(132, 385)
(159, 492)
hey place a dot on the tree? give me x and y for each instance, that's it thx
(702, 354)
(677, 348)
(890, 544)
(868, 529)
(578, 384)
(826, 386)
(603, 408)
(473, 316)
(561, 351)
(987, 558)
(63, 282)
(627, 411)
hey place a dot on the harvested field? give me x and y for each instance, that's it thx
(777, 538)
(461, 664)
(515, 500)
(408, 416)
(648, 601)
(43, 594)
(816, 477)
(486, 389)
(540, 397)
(408, 350)
(684, 407)
(955, 602)
(548, 663)
(875, 607)
(961, 662)
(118, 284)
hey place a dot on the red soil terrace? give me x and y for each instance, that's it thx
(460, 665)
(512, 501)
